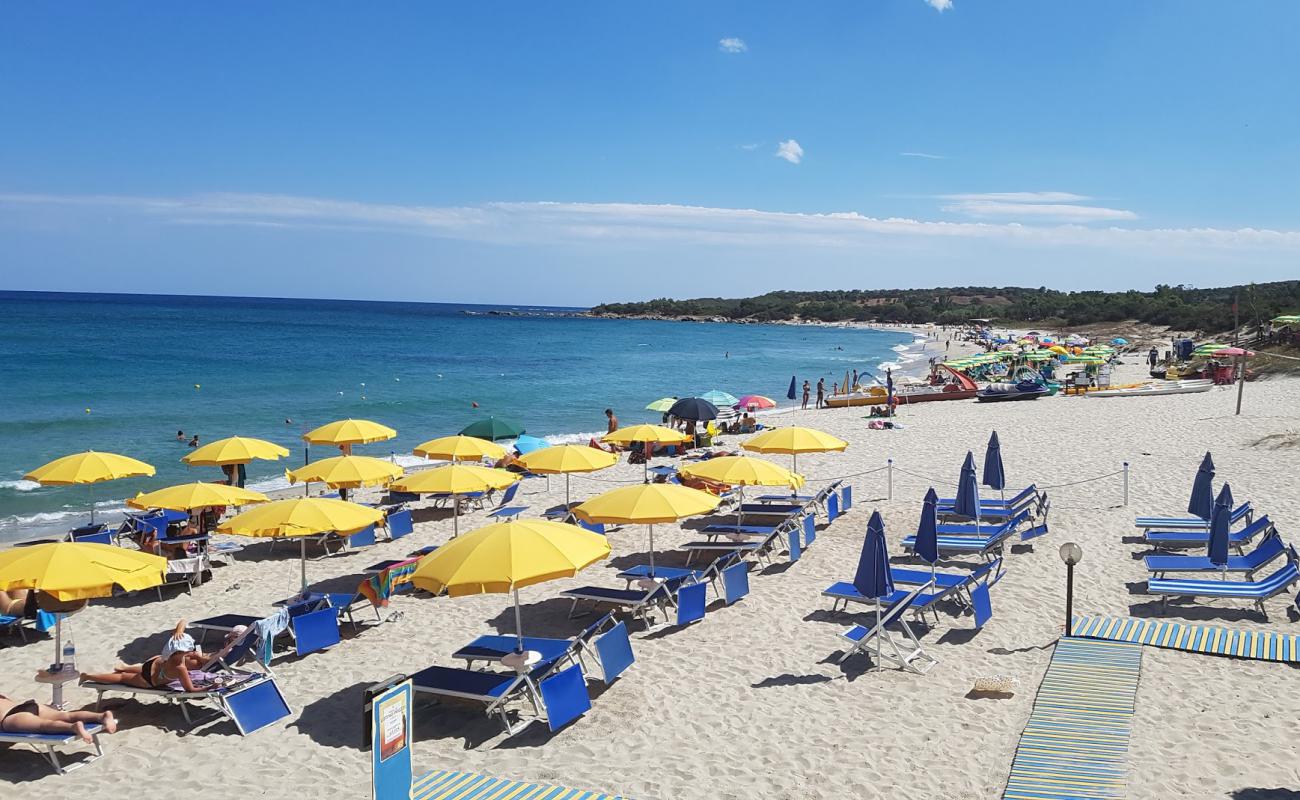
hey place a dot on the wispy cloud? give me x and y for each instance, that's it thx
(923, 155)
(939, 5)
(790, 151)
(1047, 206)
(733, 45)
(750, 146)
(1018, 197)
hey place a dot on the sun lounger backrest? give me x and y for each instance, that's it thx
(979, 595)
(315, 630)
(898, 609)
(832, 508)
(400, 524)
(691, 603)
(846, 499)
(255, 705)
(735, 581)
(92, 534)
(594, 527)
(809, 529)
(565, 697)
(795, 547)
(362, 538)
(615, 650)
(509, 494)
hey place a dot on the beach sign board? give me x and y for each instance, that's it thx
(390, 742)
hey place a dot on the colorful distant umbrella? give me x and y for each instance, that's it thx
(1233, 352)
(493, 428)
(88, 467)
(459, 448)
(189, 496)
(755, 401)
(349, 432)
(346, 472)
(1119, 340)
(720, 398)
(995, 477)
(662, 404)
(1206, 350)
(454, 481)
(695, 408)
(648, 504)
(301, 517)
(1202, 501)
(506, 557)
(967, 502)
(234, 450)
(526, 444)
(873, 578)
(566, 459)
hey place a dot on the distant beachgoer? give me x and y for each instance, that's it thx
(806, 391)
(195, 441)
(612, 420)
(821, 392)
(180, 436)
(1153, 357)
(855, 378)
(835, 389)
(29, 716)
(947, 344)
(727, 354)
(288, 421)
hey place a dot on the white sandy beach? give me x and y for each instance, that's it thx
(747, 704)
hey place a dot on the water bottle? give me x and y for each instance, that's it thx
(69, 654)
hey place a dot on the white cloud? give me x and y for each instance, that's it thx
(922, 155)
(790, 151)
(733, 45)
(939, 5)
(1017, 197)
(1060, 212)
(751, 146)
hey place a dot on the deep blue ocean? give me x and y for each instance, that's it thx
(124, 373)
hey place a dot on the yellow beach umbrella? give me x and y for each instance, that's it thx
(301, 517)
(189, 496)
(648, 434)
(346, 472)
(88, 467)
(743, 471)
(77, 571)
(507, 556)
(648, 505)
(460, 448)
(234, 450)
(565, 459)
(349, 431)
(453, 481)
(794, 440)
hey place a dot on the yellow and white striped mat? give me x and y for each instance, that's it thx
(1075, 744)
(1259, 645)
(450, 785)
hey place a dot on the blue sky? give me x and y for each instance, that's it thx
(571, 153)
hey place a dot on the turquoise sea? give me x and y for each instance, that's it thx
(124, 373)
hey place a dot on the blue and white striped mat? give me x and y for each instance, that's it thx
(449, 785)
(1259, 645)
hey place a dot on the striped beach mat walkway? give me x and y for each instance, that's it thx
(1076, 742)
(449, 785)
(1259, 645)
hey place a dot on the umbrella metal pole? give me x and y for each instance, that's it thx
(519, 626)
(455, 516)
(1241, 382)
(566, 491)
(302, 552)
(652, 550)
(794, 467)
(879, 633)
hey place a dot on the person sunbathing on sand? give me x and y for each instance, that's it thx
(29, 716)
(179, 656)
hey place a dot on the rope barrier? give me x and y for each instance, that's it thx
(1084, 480)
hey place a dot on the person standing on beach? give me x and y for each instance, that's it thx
(821, 392)
(1153, 357)
(806, 391)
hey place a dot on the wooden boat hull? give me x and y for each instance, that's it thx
(984, 396)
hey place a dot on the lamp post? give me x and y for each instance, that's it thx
(1071, 554)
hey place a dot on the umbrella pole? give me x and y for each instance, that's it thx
(879, 633)
(795, 469)
(519, 626)
(302, 552)
(566, 491)
(652, 550)
(1241, 381)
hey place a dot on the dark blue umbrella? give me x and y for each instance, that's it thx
(1202, 502)
(696, 408)
(873, 578)
(967, 502)
(995, 477)
(927, 532)
(1219, 524)
(790, 395)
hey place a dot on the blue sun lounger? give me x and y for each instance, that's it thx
(1255, 591)
(946, 586)
(1003, 528)
(1201, 538)
(1268, 549)
(861, 639)
(731, 529)
(1239, 513)
(48, 744)
(640, 603)
(993, 505)
(983, 546)
(709, 574)
(492, 648)
(760, 548)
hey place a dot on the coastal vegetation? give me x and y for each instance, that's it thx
(1178, 307)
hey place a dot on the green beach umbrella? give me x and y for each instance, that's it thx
(662, 405)
(493, 429)
(720, 398)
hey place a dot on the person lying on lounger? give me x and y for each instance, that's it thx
(29, 716)
(180, 655)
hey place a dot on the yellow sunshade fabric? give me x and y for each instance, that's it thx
(657, 434)
(88, 467)
(79, 571)
(567, 458)
(794, 440)
(743, 471)
(234, 450)
(509, 555)
(459, 448)
(189, 496)
(646, 504)
(346, 472)
(301, 516)
(455, 479)
(350, 431)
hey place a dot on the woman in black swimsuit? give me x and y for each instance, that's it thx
(180, 655)
(30, 716)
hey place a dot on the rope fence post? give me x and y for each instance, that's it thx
(1125, 484)
(889, 469)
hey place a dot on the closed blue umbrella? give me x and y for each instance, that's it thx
(927, 532)
(1202, 502)
(873, 578)
(995, 477)
(790, 393)
(967, 502)
(1219, 524)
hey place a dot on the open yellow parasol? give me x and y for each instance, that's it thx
(794, 440)
(88, 467)
(346, 472)
(565, 459)
(189, 496)
(648, 505)
(350, 431)
(234, 450)
(454, 481)
(301, 517)
(460, 448)
(743, 471)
